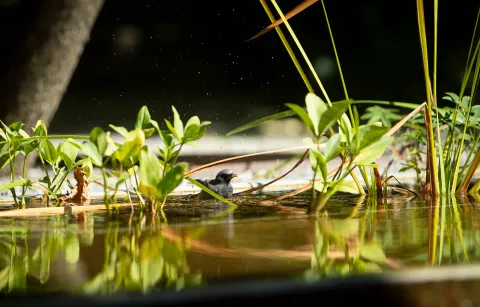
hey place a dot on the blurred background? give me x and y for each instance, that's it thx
(193, 54)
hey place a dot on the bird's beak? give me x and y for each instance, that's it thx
(234, 175)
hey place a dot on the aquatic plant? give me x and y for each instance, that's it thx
(445, 172)
(132, 161)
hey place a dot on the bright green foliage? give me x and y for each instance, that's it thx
(158, 176)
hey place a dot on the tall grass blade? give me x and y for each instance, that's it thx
(298, 9)
(287, 47)
(433, 178)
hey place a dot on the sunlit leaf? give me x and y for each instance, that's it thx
(91, 151)
(11, 185)
(367, 135)
(371, 153)
(171, 180)
(99, 139)
(49, 152)
(150, 172)
(120, 130)
(177, 123)
(40, 129)
(315, 108)
(332, 114)
(332, 147)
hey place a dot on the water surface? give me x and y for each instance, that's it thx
(195, 244)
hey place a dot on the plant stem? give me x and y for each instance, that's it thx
(105, 189)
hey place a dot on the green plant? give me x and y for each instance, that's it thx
(157, 176)
(358, 146)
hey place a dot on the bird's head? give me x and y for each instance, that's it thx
(225, 176)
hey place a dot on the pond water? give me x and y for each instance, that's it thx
(195, 244)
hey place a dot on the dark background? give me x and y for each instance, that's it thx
(193, 54)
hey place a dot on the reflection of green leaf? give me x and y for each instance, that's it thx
(345, 228)
(373, 253)
(372, 267)
(72, 249)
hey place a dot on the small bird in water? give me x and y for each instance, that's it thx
(220, 185)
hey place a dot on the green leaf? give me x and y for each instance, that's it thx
(177, 123)
(143, 118)
(68, 152)
(16, 126)
(207, 190)
(131, 148)
(373, 253)
(318, 161)
(49, 152)
(91, 151)
(99, 139)
(28, 146)
(332, 147)
(372, 152)
(150, 172)
(330, 116)
(262, 120)
(367, 135)
(315, 108)
(172, 130)
(191, 132)
(11, 185)
(40, 129)
(72, 249)
(303, 116)
(144, 122)
(171, 180)
(120, 130)
(74, 143)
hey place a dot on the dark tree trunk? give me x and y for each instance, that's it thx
(38, 77)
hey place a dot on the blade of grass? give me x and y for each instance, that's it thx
(287, 45)
(430, 100)
(298, 9)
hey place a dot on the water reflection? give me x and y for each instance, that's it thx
(90, 253)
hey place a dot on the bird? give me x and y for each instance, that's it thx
(220, 185)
